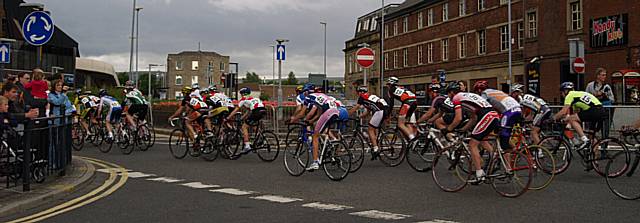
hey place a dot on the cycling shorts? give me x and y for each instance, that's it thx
(408, 110)
(138, 110)
(593, 114)
(218, 114)
(376, 119)
(448, 119)
(86, 113)
(540, 117)
(114, 114)
(488, 121)
(326, 119)
(256, 115)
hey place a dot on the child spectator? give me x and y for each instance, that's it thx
(38, 86)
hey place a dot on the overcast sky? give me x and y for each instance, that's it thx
(241, 29)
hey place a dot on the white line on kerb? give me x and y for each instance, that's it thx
(277, 199)
(165, 179)
(375, 214)
(327, 207)
(232, 191)
(106, 170)
(139, 175)
(198, 185)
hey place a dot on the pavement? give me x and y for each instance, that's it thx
(14, 200)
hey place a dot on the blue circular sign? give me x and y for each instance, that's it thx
(37, 28)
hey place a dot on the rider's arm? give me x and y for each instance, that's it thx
(456, 120)
(235, 110)
(178, 111)
(435, 117)
(564, 111)
(426, 115)
(311, 113)
(364, 114)
(354, 109)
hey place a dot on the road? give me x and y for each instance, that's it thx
(160, 188)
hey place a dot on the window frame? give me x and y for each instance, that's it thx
(420, 20)
(195, 65)
(462, 46)
(481, 5)
(444, 45)
(430, 17)
(531, 26)
(462, 7)
(430, 52)
(481, 41)
(395, 27)
(445, 12)
(395, 59)
(179, 65)
(575, 22)
(520, 35)
(420, 54)
(179, 77)
(405, 24)
(504, 36)
(194, 77)
(405, 57)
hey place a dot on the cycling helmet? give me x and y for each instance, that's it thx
(195, 86)
(102, 92)
(308, 87)
(362, 89)
(435, 87)
(186, 90)
(299, 88)
(480, 86)
(88, 92)
(212, 88)
(393, 80)
(566, 86)
(517, 88)
(245, 91)
(204, 91)
(78, 91)
(129, 85)
(455, 87)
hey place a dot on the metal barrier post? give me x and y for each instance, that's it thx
(26, 159)
(62, 149)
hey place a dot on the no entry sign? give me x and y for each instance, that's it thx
(578, 65)
(365, 57)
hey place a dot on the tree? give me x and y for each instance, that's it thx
(252, 77)
(291, 79)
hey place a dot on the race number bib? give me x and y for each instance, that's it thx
(398, 91)
(320, 100)
(529, 98)
(115, 104)
(84, 100)
(448, 103)
(586, 99)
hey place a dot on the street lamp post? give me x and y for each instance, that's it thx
(324, 24)
(133, 23)
(137, 75)
(273, 66)
(381, 62)
(4, 40)
(510, 52)
(280, 41)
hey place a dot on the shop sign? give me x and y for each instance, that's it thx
(609, 31)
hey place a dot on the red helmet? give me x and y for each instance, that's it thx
(480, 86)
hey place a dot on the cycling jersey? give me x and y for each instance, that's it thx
(581, 101)
(501, 101)
(197, 104)
(372, 102)
(534, 103)
(224, 100)
(113, 108)
(403, 95)
(321, 100)
(251, 103)
(473, 102)
(300, 99)
(443, 104)
(134, 97)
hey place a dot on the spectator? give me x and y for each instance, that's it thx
(38, 88)
(10, 91)
(12, 79)
(604, 93)
(57, 98)
(24, 96)
(463, 86)
(5, 118)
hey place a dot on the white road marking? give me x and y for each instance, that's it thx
(277, 199)
(106, 170)
(198, 185)
(328, 207)
(165, 179)
(375, 214)
(140, 175)
(437, 221)
(233, 191)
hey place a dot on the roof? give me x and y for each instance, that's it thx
(96, 66)
(207, 53)
(408, 6)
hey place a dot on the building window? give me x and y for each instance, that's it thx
(504, 38)
(179, 95)
(445, 12)
(395, 27)
(429, 52)
(520, 35)
(462, 46)
(178, 65)
(194, 79)
(532, 24)
(374, 24)
(430, 18)
(445, 49)
(178, 79)
(405, 24)
(194, 65)
(386, 31)
(420, 20)
(462, 7)
(386, 61)
(420, 55)
(222, 66)
(504, 2)
(576, 15)
(358, 27)
(480, 5)
(366, 24)
(395, 59)
(482, 42)
(350, 62)
(405, 57)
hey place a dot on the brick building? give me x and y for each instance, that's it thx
(367, 32)
(188, 67)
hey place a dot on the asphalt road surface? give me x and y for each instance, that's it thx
(160, 188)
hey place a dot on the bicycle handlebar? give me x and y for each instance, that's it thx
(171, 121)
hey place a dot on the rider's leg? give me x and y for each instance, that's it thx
(535, 134)
(475, 157)
(575, 123)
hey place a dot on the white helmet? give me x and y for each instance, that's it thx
(393, 80)
(517, 87)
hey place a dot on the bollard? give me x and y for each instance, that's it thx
(26, 159)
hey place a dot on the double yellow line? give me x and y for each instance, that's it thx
(107, 188)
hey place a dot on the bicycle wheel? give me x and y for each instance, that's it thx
(513, 179)
(77, 137)
(543, 167)
(392, 148)
(336, 161)
(296, 157)
(105, 142)
(356, 144)
(626, 185)
(420, 156)
(450, 169)
(604, 151)
(561, 151)
(209, 151)
(151, 134)
(178, 143)
(124, 140)
(267, 146)
(144, 137)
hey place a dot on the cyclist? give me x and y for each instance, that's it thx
(87, 105)
(407, 108)
(323, 110)
(190, 104)
(112, 107)
(434, 111)
(218, 103)
(487, 122)
(586, 108)
(135, 104)
(535, 109)
(508, 107)
(300, 96)
(380, 111)
(256, 112)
